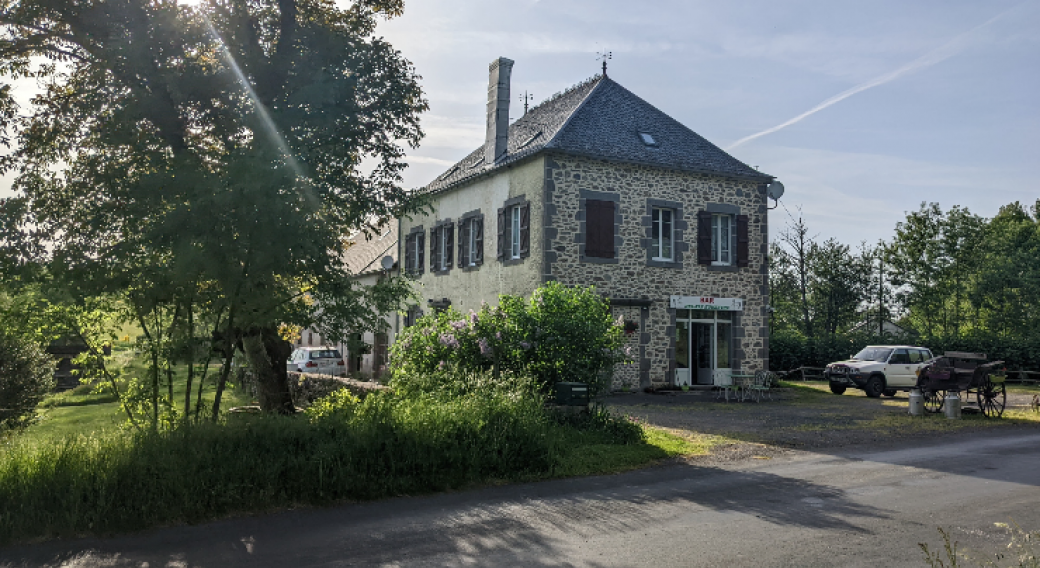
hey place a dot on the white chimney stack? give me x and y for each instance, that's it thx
(497, 110)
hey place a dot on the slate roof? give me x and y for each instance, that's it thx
(364, 255)
(601, 119)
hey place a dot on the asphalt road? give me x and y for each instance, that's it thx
(803, 509)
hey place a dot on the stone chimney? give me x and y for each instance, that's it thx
(497, 110)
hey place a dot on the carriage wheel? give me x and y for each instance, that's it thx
(933, 401)
(992, 397)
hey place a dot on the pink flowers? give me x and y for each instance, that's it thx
(449, 340)
(485, 349)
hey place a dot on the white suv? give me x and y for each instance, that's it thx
(321, 360)
(878, 370)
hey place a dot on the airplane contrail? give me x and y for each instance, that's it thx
(934, 56)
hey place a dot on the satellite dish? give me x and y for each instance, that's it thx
(387, 262)
(775, 190)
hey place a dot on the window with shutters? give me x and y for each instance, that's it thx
(514, 230)
(722, 237)
(414, 249)
(599, 228)
(442, 243)
(471, 240)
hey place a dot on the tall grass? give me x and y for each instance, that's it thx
(433, 434)
(385, 446)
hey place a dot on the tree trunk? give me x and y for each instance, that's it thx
(267, 354)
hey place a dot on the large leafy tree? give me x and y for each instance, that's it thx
(207, 162)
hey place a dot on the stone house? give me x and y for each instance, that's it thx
(597, 186)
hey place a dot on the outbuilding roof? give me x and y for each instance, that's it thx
(364, 253)
(601, 119)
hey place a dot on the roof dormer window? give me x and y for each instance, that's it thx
(648, 139)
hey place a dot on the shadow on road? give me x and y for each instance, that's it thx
(521, 525)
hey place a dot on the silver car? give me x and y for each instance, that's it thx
(320, 360)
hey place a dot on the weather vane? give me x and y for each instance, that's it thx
(526, 97)
(604, 56)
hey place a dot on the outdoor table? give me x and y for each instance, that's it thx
(736, 382)
(742, 382)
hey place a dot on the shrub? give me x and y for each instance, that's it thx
(26, 376)
(559, 334)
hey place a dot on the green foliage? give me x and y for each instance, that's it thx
(380, 447)
(208, 181)
(26, 376)
(559, 334)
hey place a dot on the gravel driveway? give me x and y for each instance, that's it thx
(807, 416)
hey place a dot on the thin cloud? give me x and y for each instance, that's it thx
(941, 53)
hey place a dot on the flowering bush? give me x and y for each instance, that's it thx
(558, 334)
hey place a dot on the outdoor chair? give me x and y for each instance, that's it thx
(761, 386)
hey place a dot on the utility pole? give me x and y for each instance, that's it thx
(881, 295)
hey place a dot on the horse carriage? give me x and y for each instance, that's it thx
(968, 373)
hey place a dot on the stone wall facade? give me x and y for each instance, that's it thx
(639, 287)
(632, 275)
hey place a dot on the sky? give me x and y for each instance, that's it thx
(925, 101)
(863, 110)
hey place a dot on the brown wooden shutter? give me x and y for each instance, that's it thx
(599, 228)
(742, 241)
(703, 237)
(502, 232)
(449, 246)
(464, 228)
(409, 254)
(525, 230)
(478, 241)
(421, 249)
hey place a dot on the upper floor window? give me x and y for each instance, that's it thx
(414, 248)
(663, 238)
(471, 240)
(514, 230)
(599, 228)
(723, 239)
(442, 241)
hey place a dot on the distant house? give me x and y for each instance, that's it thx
(64, 350)
(597, 186)
(888, 327)
(367, 353)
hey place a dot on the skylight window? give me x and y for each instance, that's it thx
(648, 139)
(529, 140)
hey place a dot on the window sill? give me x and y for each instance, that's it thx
(722, 267)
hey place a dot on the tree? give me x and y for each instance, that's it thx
(26, 376)
(207, 163)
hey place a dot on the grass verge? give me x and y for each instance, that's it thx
(117, 481)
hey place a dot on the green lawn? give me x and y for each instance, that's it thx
(80, 411)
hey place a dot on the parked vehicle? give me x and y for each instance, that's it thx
(970, 373)
(878, 370)
(321, 360)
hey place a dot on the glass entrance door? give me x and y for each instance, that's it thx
(702, 346)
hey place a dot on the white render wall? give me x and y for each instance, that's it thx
(467, 288)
